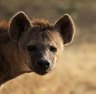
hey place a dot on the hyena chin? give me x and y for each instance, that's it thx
(32, 46)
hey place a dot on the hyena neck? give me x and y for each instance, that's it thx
(5, 77)
(12, 63)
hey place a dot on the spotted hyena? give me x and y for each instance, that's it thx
(32, 46)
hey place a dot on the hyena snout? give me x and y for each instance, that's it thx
(43, 64)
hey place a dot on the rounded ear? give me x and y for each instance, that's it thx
(65, 26)
(19, 24)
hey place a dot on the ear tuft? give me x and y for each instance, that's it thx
(65, 26)
(18, 24)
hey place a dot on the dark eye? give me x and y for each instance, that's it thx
(32, 48)
(53, 49)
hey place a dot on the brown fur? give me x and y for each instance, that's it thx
(3, 31)
(20, 33)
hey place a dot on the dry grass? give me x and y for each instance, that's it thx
(74, 74)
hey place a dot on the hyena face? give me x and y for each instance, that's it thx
(42, 48)
(40, 43)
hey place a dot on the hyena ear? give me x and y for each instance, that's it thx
(65, 26)
(18, 25)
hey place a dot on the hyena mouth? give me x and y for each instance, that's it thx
(40, 72)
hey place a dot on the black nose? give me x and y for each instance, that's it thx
(43, 64)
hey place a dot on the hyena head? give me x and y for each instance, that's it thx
(40, 42)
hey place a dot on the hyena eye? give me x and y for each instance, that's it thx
(32, 48)
(53, 49)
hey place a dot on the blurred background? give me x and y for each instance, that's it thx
(75, 73)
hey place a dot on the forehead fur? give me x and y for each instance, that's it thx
(42, 24)
(44, 32)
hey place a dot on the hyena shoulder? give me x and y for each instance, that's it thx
(4, 31)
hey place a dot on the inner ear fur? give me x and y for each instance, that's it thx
(65, 26)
